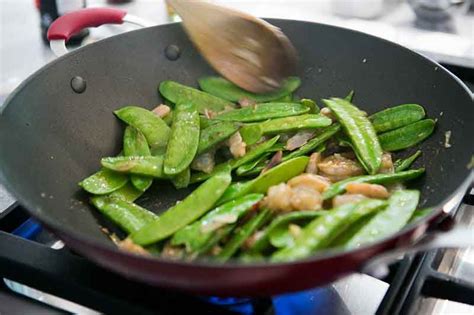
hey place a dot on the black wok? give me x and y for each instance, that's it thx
(52, 137)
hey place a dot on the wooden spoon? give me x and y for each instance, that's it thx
(248, 51)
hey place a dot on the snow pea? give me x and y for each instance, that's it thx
(396, 117)
(263, 111)
(280, 222)
(182, 179)
(285, 99)
(233, 164)
(248, 167)
(274, 176)
(407, 136)
(215, 134)
(184, 139)
(401, 165)
(394, 217)
(243, 233)
(253, 132)
(185, 212)
(128, 193)
(128, 216)
(103, 182)
(155, 130)
(135, 144)
(313, 107)
(419, 214)
(178, 93)
(360, 131)
(350, 96)
(227, 90)
(321, 231)
(197, 234)
(139, 165)
(339, 187)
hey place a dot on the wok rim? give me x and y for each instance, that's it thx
(232, 264)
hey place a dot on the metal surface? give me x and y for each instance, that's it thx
(66, 146)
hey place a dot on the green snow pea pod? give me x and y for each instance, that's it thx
(139, 165)
(339, 187)
(155, 130)
(350, 96)
(263, 111)
(274, 176)
(185, 212)
(103, 182)
(401, 165)
(182, 179)
(227, 90)
(233, 164)
(134, 144)
(285, 99)
(394, 217)
(360, 131)
(184, 139)
(215, 134)
(129, 216)
(282, 222)
(178, 93)
(407, 136)
(246, 168)
(243, 233)
(396, 117)
(196, 235)
(168, 119)
(321, 231)
(313, 107)
(253, 132)
(128, 193)
(419, 214)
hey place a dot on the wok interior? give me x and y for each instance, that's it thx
(51, 137)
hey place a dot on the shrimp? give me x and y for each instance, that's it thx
(314, 159)
(368, 190)
(298, 140)
(172, 252)
(336, 167)
(304, 198)
(129, 246)
(347, 198)
(278, 198)
(236, 145)
(311, 181)
(387, 164)
(325, 111)
(161, 110)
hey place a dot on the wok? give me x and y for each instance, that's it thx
(55, 127)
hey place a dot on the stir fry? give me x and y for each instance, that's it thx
(274, 177)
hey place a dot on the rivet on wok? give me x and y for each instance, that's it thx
(172, 52)
(78, 84)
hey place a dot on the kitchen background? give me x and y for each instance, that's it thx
(440, 29)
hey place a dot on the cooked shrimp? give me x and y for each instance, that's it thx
(172, 252)
(325, 111)
(245, 102)
(304, 198)
(387, 164)
(278, 198)
(161, 110)
(314, 159)
(336, 167)
(236, 145)
(347, 198)
(252, 239)
(368, 190)
(129, 246)
(311, 181)
(204, 162)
